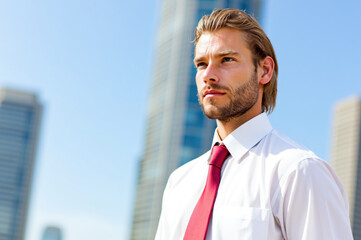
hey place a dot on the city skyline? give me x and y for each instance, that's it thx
(90, 63)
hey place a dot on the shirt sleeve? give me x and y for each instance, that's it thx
(162, 229)
(313, 203)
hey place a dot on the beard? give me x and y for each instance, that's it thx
(243, 99)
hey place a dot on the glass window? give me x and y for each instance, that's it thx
(192, 141)
(194, 118)
(187, 154)
(202, 12)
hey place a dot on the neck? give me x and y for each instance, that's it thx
(227, 126)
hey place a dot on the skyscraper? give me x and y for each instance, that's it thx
(176, 130)
(346, 155)
(52, 233)
(19, 126)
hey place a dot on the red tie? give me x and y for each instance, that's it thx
(198, 223)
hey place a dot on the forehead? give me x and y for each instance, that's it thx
(221, 40)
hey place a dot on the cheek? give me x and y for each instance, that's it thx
(237, 79)
(200, 84)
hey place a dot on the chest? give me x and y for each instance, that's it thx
(243, 203)
(245, 184)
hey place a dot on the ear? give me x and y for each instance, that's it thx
(266, 70)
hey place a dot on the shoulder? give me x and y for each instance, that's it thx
(289, 161)
(297, 166)
(281, 145)
(286, 154)
(311, 173)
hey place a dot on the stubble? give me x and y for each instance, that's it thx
(242, 100)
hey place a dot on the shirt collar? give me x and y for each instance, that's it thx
(241, 140)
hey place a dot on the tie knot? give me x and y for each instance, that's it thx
(219, 154)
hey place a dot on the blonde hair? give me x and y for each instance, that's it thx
(257, 41)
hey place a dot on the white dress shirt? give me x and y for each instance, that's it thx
(271, 188)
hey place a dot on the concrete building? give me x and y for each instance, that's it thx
(19, 127)
(346, 155)
(176, 130)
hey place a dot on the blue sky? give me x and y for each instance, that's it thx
(91, 61)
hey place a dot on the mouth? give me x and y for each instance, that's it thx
(212, 93)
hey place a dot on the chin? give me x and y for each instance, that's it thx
(211, 112)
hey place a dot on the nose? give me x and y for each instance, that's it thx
(210, 74)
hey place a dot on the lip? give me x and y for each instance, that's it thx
(212, 93)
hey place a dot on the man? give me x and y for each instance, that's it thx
(269, 187)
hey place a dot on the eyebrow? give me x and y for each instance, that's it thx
(227, 52)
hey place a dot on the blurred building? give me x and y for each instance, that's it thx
(176, 130)
(52, 233)
(346, 155)
(19, 127)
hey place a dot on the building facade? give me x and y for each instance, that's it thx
(346, 155)
(176, 129)
(52, 233)
(19, 127)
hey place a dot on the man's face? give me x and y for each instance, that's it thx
(226, 78)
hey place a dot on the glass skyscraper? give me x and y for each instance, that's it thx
(346, 155)
(176, 130)
(19, 126)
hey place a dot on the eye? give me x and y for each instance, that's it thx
(201, 65)
(228, 59)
